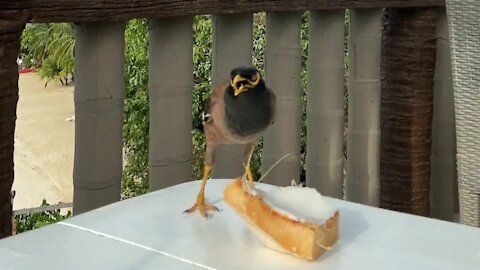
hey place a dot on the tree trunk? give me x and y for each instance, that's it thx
(11, 27)
(408, 65)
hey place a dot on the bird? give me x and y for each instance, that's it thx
(237, 111)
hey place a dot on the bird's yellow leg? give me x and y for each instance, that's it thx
(247, 158)
(200, 204)
(248, 171)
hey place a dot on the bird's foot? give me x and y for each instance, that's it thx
(202, 207)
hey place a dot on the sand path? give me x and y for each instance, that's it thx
(44, 143)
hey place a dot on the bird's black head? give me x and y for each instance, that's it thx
(243, 79)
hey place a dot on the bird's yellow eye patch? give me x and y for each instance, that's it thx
(255, 79)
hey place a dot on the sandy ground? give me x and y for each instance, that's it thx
(44, 143)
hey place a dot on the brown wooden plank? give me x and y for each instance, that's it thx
(111, 10)
(11, 28)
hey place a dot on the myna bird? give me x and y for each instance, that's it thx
(236, 112)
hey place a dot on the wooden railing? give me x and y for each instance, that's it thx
(99, 91)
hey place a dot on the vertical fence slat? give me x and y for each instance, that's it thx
(443, 188)
(282, 74)
(10, 33)
(325, 102)
(170, 86)
(99, 96)
(232, 46)
(363, 134)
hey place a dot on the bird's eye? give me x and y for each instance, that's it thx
(253, 78)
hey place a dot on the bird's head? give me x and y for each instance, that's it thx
(243, 79)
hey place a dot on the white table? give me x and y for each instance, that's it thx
(150, 232)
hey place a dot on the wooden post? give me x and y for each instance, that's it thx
(99, 97)
(232, 47)
(170, 87)
(11, 27)
(363, 133)
(408, 66)
(443, 184)
(325, 102)
(282, 73)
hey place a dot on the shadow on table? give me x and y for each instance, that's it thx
(352, 225)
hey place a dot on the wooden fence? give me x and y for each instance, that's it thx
(99, 92)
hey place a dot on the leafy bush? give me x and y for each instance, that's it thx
(136, 120)
(202, 71)
(27, 222)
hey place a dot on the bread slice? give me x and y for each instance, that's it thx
(278, 228)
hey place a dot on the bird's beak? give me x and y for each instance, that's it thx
(242, 88)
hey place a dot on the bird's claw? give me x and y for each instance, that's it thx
(202, 208)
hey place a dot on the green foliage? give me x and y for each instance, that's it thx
(258, 60)
(33, 221)
(136, 120)
(202, 70)
(304, 54)
(29, 58)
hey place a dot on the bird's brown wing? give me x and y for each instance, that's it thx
(215, 97)
(215, 129)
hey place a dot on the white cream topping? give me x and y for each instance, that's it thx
(301, 204)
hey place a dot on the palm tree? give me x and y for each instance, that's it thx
(52, 48)
(408, 64)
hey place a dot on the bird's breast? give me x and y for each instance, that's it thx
(248, 113)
